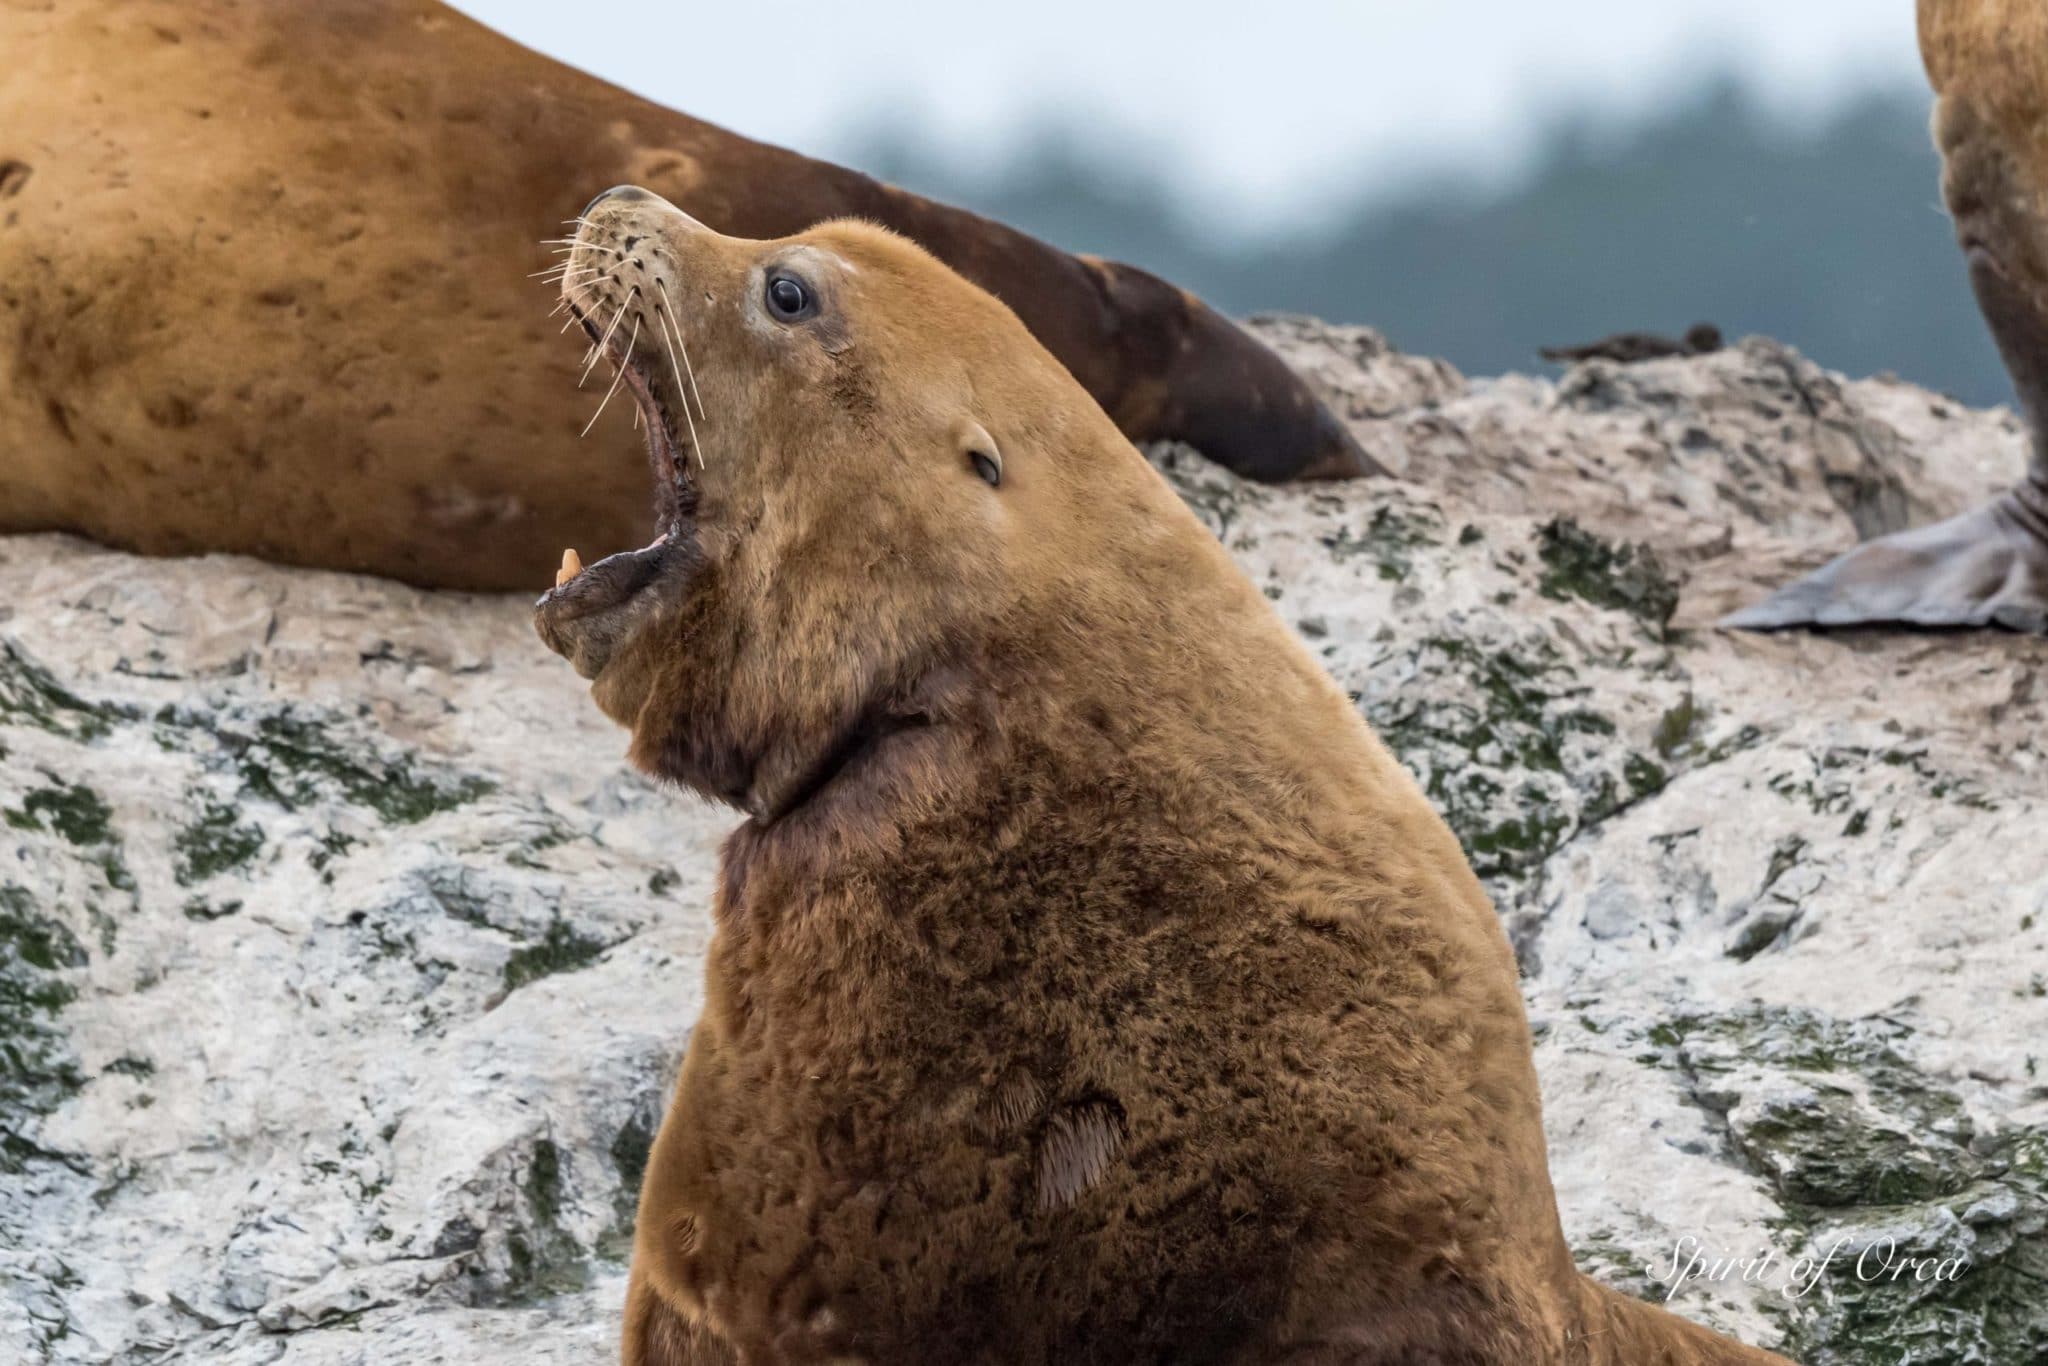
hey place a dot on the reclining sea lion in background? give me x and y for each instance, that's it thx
(263, 289)
(1988, 62)
(1089, 984)
(1630, 348)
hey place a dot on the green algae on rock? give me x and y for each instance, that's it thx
(38, 962)
(1628, 578)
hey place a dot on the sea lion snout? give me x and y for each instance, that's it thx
(623, 205)
(618, 194)
(623, 281)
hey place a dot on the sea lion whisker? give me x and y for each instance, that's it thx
(616, 377)
(569, 244)
(602, 251)
(661, 316)
(624, 304)
(663, 287)
(580, 311)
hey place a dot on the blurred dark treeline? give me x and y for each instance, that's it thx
(1829, 235)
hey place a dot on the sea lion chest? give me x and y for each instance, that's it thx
(997, 1106)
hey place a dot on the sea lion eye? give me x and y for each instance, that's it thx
(790, 299)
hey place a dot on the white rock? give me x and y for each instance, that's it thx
(343, 965)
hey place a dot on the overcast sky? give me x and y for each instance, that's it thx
(1248, 106)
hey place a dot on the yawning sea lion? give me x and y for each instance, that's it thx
(1089, 984)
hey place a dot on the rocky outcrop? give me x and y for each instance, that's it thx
(343, 965)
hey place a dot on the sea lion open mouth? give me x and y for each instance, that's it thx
(585, 614)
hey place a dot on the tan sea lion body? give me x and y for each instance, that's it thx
(263, 288)
(1089, 984)
(1988, 63)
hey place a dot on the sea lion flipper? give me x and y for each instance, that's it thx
(1984, 568)
(1188, 373)
(1240, 404)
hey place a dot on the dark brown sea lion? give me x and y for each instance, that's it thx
(1089, 984)
(1630, 347)
(1988, 62)
(263, 288)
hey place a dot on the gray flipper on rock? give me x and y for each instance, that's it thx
(1987, 567)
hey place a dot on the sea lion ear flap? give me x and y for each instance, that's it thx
(979, 450)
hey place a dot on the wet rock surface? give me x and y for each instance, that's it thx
(343, 966)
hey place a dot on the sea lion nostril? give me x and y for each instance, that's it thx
(623, 193)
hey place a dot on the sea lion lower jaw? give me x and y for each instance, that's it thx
(592, 608)
(584, 618)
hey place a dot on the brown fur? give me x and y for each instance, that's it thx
(1089, 985)
(1995, 54)
(1988, 62)
(263, 288)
